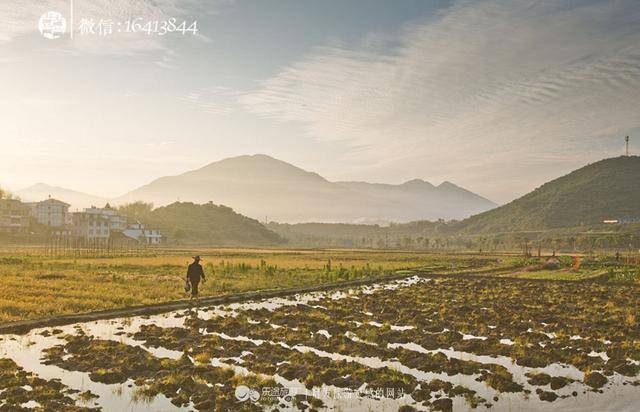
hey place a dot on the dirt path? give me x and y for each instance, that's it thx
(24, 326)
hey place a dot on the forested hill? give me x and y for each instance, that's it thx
(209, 224)
(608, 189)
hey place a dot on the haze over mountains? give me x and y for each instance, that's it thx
(262, 187)
(77, 200)
(259, 186)
(572, 205)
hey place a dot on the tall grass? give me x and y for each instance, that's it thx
(33, 285)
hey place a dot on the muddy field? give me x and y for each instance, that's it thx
(419, 343)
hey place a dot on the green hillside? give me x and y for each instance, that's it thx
(208, 224)
(608, 189)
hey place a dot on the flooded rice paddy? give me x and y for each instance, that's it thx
(415, 344)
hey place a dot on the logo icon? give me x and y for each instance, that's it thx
(52, 25)
(244, 393)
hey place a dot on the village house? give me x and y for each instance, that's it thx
(117, 222)
(90, 226)
(14, 216)
(98, 223)
(142, 235)
(51, 212)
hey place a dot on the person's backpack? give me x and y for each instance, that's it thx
(187, 286)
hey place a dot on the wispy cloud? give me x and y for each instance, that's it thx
(212, 100)
(471, 87)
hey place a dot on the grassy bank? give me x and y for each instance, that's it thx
(35, 285)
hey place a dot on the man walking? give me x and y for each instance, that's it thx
(194, 274)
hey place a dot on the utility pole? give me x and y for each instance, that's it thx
(626, 140)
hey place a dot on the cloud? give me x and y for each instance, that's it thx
(214, 100)
(20, 17)
(481, 82)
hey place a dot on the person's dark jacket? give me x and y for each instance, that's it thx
(195, 272)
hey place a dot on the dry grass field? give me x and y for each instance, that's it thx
(36, 285)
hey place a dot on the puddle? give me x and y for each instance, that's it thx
(26, 351)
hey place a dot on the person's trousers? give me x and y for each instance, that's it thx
(194, 288)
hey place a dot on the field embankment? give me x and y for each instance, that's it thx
(38, 286)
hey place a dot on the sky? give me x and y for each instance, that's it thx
(497, 96)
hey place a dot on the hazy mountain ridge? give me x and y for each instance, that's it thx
(263, 187)
(76, 199)
(413, 193)
(571, 205)
(607, 189)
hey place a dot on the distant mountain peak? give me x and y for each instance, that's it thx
(251, 159)
(417, 183)
(45, 186)
(42, 191)
(40, 186)
(261, 186)
(447, 183)
(262, 156)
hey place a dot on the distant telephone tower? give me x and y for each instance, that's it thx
(626, 140)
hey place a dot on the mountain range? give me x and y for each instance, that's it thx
(77, 200)
(577, 203)
(260, 186)
(606, 190)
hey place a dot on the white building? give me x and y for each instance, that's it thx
(14, 216)
(51, 212)
(91, 226)
(143, 235)
(117, 222)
